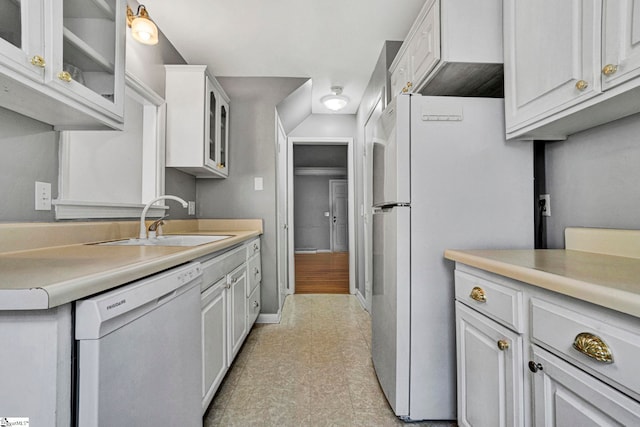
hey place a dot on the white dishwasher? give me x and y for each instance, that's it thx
(138, 353)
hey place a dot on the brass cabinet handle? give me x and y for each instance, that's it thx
(477, 293)
(582, 85)
(256, 304)
(609, 69)
(593, 346)
(64, 76)
(38, 61)
(405, 90)
(503, 345)
(409, 85)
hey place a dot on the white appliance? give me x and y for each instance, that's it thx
(444, 177)
(139, 358)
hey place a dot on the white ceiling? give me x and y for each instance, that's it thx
(334, 42)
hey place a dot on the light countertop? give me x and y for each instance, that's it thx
(49, 276)
(607, 280)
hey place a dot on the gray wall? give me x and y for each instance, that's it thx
(29, 154)
(594, 179)
(30, 148)
(252, 139)
(311, 194)
(326, 125)
(294, 109)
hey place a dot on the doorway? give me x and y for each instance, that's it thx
(321, 216)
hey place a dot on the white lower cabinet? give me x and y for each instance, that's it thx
(566, 396)
(228, 310)
(531, 357)
(490, 373)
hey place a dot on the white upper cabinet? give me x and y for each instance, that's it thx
(552, 59)
(62, 61)
(569, 65)
(453, 48)
(21, 38)
(621, 42)
(197, 122)
(87, 52)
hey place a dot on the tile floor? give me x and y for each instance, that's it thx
(312, 369)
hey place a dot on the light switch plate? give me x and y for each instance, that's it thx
(43, 196)
(258, 183)
(192, 207)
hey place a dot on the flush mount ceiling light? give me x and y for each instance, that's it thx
(142, 27)
(337, 101)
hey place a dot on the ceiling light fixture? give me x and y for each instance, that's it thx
(337, 101)
(142, 27)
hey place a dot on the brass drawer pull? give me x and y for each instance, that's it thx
(477, 293)
(593, 346)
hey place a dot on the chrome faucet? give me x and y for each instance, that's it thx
(143, 228)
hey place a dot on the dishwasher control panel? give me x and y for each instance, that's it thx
(104, 313)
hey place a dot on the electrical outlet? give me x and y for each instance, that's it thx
(546, 208)
(192, 208)
(43, 196)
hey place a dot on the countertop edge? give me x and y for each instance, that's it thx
(60, 293)
(615, 299)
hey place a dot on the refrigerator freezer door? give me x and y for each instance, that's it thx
(390, 311)
(391, 159)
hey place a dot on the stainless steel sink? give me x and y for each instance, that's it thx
(169, 240)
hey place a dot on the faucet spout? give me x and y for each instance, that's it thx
(143, 228)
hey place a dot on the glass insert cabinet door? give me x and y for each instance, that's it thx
(21, 37)
(88, 50)
(210, 125)
(224, 134)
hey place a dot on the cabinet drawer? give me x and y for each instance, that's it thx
(558, 327)
(254, 273)
(496, 300)
(253, 248)
(218, 267)
(253, 306)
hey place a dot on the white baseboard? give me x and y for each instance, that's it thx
(324, 251)
(363, 303)
(269, 318)
(306, 251)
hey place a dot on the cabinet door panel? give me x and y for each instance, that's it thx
(214, 340)
(425, 45)
(238, 310)
(490, 380)
(549, 47)
(400, 76)
(621, 41)
(566, 396)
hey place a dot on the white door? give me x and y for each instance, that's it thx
(620, 42)
(283, 229)
(368, 199)
(339, 220)
(550, 47)
(490, 379)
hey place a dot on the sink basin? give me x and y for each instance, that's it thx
(169, 240)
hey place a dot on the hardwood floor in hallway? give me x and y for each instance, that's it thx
(322, 273)
(312, 369)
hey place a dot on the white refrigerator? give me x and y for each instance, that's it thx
(443, 177)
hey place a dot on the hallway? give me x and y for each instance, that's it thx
(322, 273)
(312, 369)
